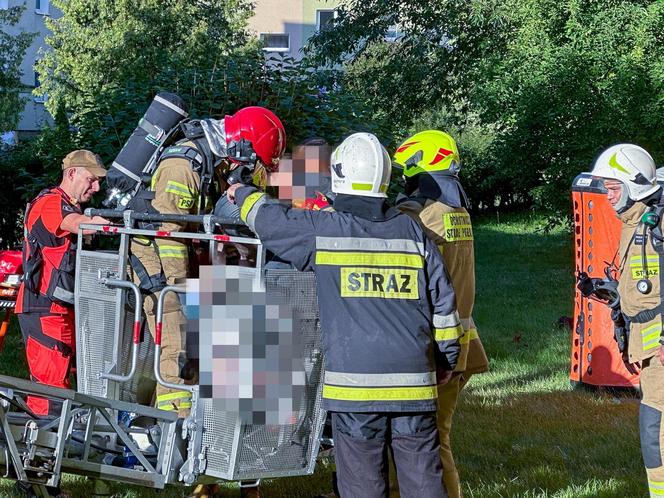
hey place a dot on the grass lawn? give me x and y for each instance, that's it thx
(520, 430)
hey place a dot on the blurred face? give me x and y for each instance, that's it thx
(82, 184)
(302, 175)
(613, 191)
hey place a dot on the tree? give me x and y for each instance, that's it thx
(110, 57)
(538, 87)
(12, 51)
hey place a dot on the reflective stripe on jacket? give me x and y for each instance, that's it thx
(644, 337)
(387, 307)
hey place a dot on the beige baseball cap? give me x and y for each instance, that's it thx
(84, 159)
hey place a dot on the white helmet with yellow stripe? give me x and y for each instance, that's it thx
(632, 166)
(361, 166)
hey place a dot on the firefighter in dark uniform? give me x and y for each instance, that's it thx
(46, 296)
(631, 182)
(388, 315)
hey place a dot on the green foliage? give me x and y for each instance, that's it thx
(12, 51)
(30, 167)
(535, 88)
(110, 58)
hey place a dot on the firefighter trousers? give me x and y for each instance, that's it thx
(50, 344)
(448, 395)
(651, 427)
(169, 257)
(362, 442)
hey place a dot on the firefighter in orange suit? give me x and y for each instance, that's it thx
(630, 179)
(434, 196)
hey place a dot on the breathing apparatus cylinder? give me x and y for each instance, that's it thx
(139, 153)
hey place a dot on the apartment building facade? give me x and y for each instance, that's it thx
(283, 25)
(34, 116)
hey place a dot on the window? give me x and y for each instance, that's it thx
(4, 4)
(275, 42)
(41, 7)
(39, 99)
(325, 19)
(393, 33)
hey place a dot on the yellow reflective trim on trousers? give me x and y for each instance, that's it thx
(448, 333)
(656, 488)
(248, 204)
(174, 395)
(170, 406)
(389, 259)
(469, 335)
(174, 401)
(380, 393)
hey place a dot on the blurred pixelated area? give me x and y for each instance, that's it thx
(302, 175)
(248, 343)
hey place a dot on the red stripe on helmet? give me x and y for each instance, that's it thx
(442, 154)
(405, 146)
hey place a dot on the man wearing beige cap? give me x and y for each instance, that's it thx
(46, 296)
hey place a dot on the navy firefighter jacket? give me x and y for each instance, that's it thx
(387, 307)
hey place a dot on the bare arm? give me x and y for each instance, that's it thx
(71, 222)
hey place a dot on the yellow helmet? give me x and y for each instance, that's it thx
(426, 152)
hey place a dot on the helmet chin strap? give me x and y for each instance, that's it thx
(625, 202)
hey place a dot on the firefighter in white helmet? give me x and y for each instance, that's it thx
(435, 198)
(388, 317)
(630, 179)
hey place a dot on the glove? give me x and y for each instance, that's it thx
(443, 376)
(621, 336)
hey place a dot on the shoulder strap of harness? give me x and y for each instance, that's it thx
(653, 219)
(200, 157)
(186, 152)
(31, 255)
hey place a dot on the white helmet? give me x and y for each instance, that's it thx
(632, 166)
(361, 166)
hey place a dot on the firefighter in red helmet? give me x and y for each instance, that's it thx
(215, 153)
(45, 302)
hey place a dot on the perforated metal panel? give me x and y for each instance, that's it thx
(232, 449)
(142, 386)
(97, 320)
(237, 450)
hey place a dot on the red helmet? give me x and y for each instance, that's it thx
(258, 132)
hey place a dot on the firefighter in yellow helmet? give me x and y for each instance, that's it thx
(434, 196)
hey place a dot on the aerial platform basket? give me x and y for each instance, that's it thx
(118, 367)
